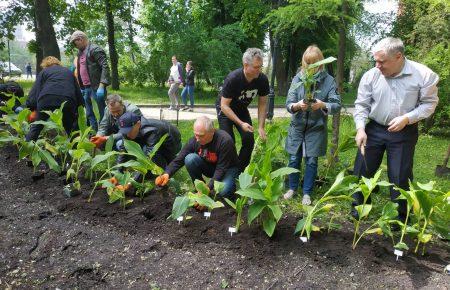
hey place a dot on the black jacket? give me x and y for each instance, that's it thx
(54, 85)
(151, 132)
(190, 77)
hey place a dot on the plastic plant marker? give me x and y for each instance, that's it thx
(447, 269)
(232, 230)
(398, 253)
(304, 239)
(180, 219)
(207, 214)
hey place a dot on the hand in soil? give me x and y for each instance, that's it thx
(98, 140)
(162, 180)
(199, 208)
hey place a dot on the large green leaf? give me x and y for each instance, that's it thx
(251, 193)
(427, 187)
(230, 203)
(103, 157)
(255, 210)
(300, 225)
(157, 146)
(245, 180)
(363, 210)
(201, 187)
(276, 211)
(322, 62)
(109, 143)
(425, 203)
(390, 210)
(82, 126)
(48, 158)
(180, 205)
(269, 226)
(283, 171)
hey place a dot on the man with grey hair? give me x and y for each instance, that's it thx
(92, 73)
(392, 98)
(238, 91)
(211, 153)
(115, 108)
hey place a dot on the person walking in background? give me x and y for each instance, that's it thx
(188, 87)
(307, 133)
(175, 79)
(393, 97)
(240, 87)
(29, 70)
(54, 86)
(93, 75)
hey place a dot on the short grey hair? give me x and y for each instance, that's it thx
(114, 98)
(390, 46)
(250, 54)
(206, 122)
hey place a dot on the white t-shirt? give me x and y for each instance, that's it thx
(175, 74)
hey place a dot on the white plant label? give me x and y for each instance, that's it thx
(207, 214)
(398, 253)
(232, 230)
(180, 219)
(447, 269)
(304, 239)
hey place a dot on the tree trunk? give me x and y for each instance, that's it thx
(39, 54)
(280, 72)
(339, 80)
(112, 46)
(45, 34)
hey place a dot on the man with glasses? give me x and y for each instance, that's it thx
(238, 91)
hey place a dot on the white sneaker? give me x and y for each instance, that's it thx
(289, 194)
(306, 200)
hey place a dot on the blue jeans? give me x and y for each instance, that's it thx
(190, 91)
(310, 172)
(197, 167)
(88, 95)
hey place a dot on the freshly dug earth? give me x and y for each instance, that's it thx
(50, 241)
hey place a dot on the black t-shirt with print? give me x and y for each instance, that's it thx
(241, 92)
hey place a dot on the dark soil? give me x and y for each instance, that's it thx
(50, 241)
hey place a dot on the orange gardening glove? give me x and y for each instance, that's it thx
(162, 180)
(113, 180)
(123, 187)
(32, 117)
(98, 140)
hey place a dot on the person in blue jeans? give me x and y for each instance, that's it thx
(211, 153)
(307, 133)
(188, 87)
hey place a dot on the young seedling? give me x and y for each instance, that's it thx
(365, 187)
(245, 181)
(117, 192)
(306, 225)
(79, 157)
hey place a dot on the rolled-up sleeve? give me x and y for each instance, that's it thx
(428, 98)
(333, 104)
(363, 101)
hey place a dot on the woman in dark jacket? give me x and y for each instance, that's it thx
(307, 133)
(54, 85)
(188, 87)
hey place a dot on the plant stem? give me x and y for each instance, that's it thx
(405, 225)
(421, 234)
(355, 234)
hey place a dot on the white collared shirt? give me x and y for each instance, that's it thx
(413, 92)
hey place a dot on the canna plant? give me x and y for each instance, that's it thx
(117, 192)
(365, 187)
(430, 208)
(79, 158)
(339, 190)
(143, 164)
(245, 181)
(201, 198)
(383, 224)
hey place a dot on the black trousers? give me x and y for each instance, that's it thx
(69, 117)
(248, 140)
(399, 147)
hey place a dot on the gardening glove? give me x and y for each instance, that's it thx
(100, 92)
(162, 180)
(98, 140)
(32, 117)
(113, 180)
(123, 187)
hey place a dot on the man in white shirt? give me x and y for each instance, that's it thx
(393, 96)
(175, 79)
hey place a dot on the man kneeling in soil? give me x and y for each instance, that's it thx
(211, 153)
(115, 107)
(147, 133)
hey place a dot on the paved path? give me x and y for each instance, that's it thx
(166, 114)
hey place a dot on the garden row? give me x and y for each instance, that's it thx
(259, 188)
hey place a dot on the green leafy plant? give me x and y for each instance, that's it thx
(201, 198)
(365, 187)
(339, 190)
(383, 224)
(245, 181)
(79, 157)
(117, 192)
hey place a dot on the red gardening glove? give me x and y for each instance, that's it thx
(32, 117)
(162, 180)
(98, 140)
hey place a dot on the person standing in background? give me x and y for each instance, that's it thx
(175, 79)
(29, 70)
(188, 87)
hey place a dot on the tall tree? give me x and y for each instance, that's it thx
(45, 33)
(112, 46)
